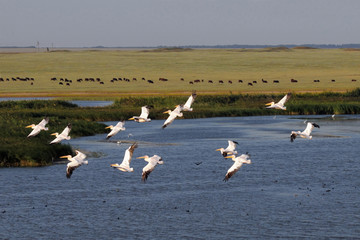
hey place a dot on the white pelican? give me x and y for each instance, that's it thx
(115, 129)
(63, 135)
(230, 150)
(280, 104)
(152, 162)
(238, 162)
(145, 110)
(304, 134)
(172, 115)
(125, 164)
(75, 162)
(187, 105)
(38, 128)
(333, 116)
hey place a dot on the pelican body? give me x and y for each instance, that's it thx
(189, 102)
(64, 135)
(145, 110)
(75, 162)
(238, 162)
(115, 129)
(280, 104)
(152, 162)
(172, 115)
(304, 134)
(230, 150)
(125, 164)
(37, 128)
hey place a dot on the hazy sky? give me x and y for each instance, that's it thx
(124, 23)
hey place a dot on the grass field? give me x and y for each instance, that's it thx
(304, 65)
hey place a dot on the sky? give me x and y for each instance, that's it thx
(152, 23)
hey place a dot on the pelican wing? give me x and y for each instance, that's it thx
(43, 122)
(118, 127)
(128, 155)
(309, 127)
(284, 99)
(71, 166)
(172, 116)
(232, 170)
(145, 110)
(79, 156)
(232, 145)
(189, 102)
(65, 133)
(152, 162)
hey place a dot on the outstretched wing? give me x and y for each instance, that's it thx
(190, 101)
(43, 122)
(232, 170)
(232, 145)
(145, 110)
(284, 99)
(66, 131)
(128, 155)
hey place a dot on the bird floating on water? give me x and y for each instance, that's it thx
(230, 150)
(75, 162)
(333, 116)
(238, 162)
(304, 134)
(152, 162)
(172, 115)
(37, 128)
(280, 104)
(115, 129)
(125, 164)
(189, 102)
(64, 135)
(145, 110)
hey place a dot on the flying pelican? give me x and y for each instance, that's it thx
(63, 135)
(145, 110)
(172, 115)
(187, 105)
(304, 134)
(114, 130)
(75, 162)
(152, 162)
(38, 128)
(125, 164)
(280, 104)
(238, 162)
(230, 150)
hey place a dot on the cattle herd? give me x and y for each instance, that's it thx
(68, 82)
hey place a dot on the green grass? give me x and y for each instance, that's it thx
(305, 65)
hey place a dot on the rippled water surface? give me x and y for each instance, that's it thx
(309, 188)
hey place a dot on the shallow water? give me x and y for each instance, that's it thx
(305, 189)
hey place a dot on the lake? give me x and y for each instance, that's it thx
(305, 189)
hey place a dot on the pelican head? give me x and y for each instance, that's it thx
(66, 156)
(168, 111)
(231, 156)
(270, 103)
(55, 134)
(111, 126)
(131, 118)
(30, 126)
(220, 149)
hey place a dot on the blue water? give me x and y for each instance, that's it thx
(305, 189)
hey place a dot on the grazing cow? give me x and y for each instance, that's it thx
(32, 83)
(196, 81)
(134, 79)
(79, 80)
(240, 81)
(150, 81)
(221, 81)
(264, 81)
(293, 80)
(101, 82)
(182, 79)
(316, 80)
(143, 79)
(230, 81)
(60, 83)
(254, 81)
(98, 79)
(163, 79)
(210, 81)
(250, 84)
(353, 80)
(332, 80)
(276, 81)
(191, 82)
(53, 79)
(67, 84)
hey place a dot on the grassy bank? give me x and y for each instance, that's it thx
(248, 65)
(17, 150)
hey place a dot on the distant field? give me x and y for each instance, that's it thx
(248, 65)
